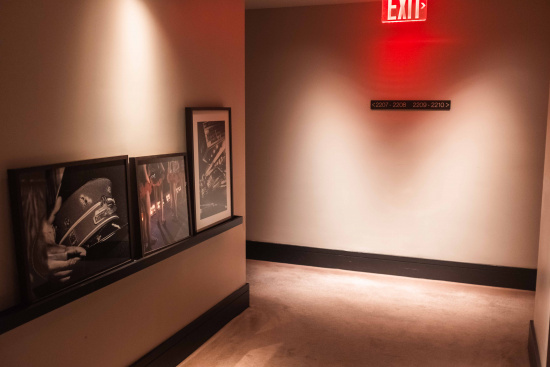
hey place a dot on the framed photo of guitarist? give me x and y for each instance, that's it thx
(162, 200)
(209, 148)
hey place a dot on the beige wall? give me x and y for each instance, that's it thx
(542, 297)
(323, 170)
(96, 78)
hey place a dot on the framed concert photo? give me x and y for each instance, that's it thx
(71, 223)
(209, 149)
(161, 201)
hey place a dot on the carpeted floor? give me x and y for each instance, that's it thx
(304, 316)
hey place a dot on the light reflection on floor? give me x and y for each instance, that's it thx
(304, 316)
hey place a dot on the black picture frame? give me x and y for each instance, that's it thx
(166, 234)
(211, 179)
(71, 223)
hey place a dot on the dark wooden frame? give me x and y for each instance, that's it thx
(134, 163)
(17, 220)
(190, 152)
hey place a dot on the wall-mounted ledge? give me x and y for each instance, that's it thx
(19, 315)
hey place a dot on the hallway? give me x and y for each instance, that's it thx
(303, 316)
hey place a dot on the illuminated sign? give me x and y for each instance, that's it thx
(429, 105)
(394, 11)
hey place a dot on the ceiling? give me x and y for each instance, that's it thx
(259, 4)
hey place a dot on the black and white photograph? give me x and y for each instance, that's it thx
(72, 222)
(210, 133)
(163, 201)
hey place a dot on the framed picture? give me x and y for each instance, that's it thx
(71, 223)
(162, 200)
(209, 149)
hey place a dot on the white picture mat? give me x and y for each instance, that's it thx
(201, 116)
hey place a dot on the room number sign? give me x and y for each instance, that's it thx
(430, 105)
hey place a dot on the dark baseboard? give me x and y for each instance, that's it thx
(532, 346)
(495, 276)
(180, 345)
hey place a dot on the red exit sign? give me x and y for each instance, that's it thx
(394, 11)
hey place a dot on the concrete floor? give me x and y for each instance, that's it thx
(304, 316)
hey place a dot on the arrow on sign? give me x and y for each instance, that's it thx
(423, 5)
(446, 105)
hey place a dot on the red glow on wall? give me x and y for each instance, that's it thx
(409, 60)
(399, 11)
